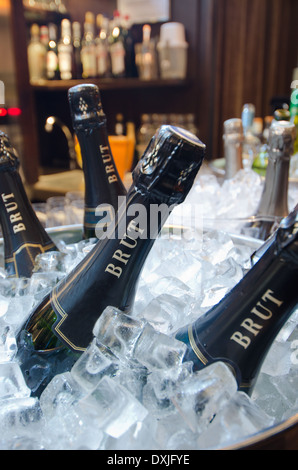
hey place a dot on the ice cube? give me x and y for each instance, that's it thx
(162, 385)
(19, 309)
(140, 436)
(20, 417)
(157, 350)
(4, 303)
(238, 419)
(72, 430)
(60, 394)
(287, 388)
(118, 331)
(12, 383)
(50, 261)
(94, 363)
(8, 344)
(203, 394)
(114, 408)
(278, 361)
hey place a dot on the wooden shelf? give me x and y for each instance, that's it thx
(108, 84)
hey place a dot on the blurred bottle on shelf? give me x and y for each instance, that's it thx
(294, 108)
(88, 55)
(44, 35)
(129, 46)
(65, 51)
(233, 146)
(52, 54)
(36, 55)
(103, 65)
(145, 56)
(251, 143)
(116, 47)
(76, 43)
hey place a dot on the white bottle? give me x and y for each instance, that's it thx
(65, 51)
(36, 55)
(88, 53)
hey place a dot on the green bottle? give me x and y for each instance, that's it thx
(60, 328)
(294, 115)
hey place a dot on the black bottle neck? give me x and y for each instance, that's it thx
(103, 184)
(24, 236)
(109, 273)
(241, 328)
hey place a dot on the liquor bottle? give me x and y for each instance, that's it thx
(88, 52)
(233, 146)
(240, 329)
(103, 65)
(60, 328)
(76, 42)
(103, 184)
(274, 198)
(261, 161)
(52, 54)
(129, 47)
(116, 47)
(65, 51)
(251, 143)
(36, 55)
(294, 111)
(24, 237)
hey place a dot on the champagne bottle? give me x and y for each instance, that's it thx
(60, 328)
(240, 329)
(233, 146)
(103, 184)
(274, 199)
(24, 237)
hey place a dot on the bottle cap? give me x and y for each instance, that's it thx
(85, 106)
(281, 115)
(167, 170)
(233, 129)
(8, 155)
(281, 139)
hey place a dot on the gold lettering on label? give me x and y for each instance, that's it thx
(13, 218)
(250, 325)
(107, 158)
(128, 242)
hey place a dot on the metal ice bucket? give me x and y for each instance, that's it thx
(283, 436)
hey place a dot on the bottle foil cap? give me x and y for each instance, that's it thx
(281, 139)
(167, 170)
(85, 106)
(8, 155)
(233, 129)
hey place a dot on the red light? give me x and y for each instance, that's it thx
(14, 111)
(3, 112)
